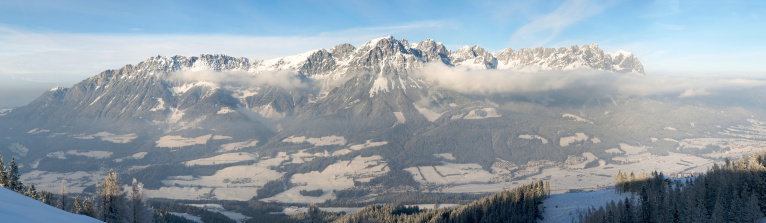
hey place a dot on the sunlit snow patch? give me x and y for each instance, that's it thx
(358, 147)
(109, 137)
(18, 149)
(429, 114)
(90, 154)
(566, 141)
(36, 131)
(400, 117)
(225, 110)
(171, 141)
(338, 176)
(543, 140)
(450, 173)
(490, 113)
(222, 159)
(380, 85)
(576, 118)
(236, 216)
(160, 105)
(322, 141)
(447, 156)
(75, 181)
(229, 147)
(139, 155)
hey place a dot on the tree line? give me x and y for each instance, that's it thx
(518, 205)
(732, 192)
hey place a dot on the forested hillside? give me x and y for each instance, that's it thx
(732, 192)
(518, 205)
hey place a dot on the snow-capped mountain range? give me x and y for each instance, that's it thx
(167, 117)
(400, 56)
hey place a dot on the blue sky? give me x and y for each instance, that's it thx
(60, 42)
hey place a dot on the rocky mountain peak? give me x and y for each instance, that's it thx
(475, 57)
(567, 58)
(433, 51)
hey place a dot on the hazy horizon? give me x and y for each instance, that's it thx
(48, 44)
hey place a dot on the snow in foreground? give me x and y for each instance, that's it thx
(15, 207)
(563, 207)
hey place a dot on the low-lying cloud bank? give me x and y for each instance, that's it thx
(575, 83)
(282, 79)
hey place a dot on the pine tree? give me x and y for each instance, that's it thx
(62, 204)
(142, 211)
(87, 207)
(77, 205)
(31, 192)
(13, 177)
(3, 173)
(112, 203)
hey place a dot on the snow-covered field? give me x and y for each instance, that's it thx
(338, 176)
(358, 147)
(109, 137)
(193, 218)
(15, 207)
(576, 118)
(230, 183)
(50, 181)
(236, 216)
(450, 173)
(95, 154)
(293, 210)
(566, 141)
(563, 179)
(222, 159)
(18, 149)
(138, 155)
(565, 206)
(230, 147)
(543, 140)
(172, 141)
(322, 141)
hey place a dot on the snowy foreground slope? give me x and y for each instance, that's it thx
(15, 207)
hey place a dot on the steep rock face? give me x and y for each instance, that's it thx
(473, 56)
(585, 56)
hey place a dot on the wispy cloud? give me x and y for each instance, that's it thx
(283, 79)
(671, 26)
(546, 28)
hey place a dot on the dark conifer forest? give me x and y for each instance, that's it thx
(732, 192)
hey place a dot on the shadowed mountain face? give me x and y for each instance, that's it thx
(156, 119)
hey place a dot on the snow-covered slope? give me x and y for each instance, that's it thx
(15, 207)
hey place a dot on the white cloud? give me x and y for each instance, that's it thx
(581, 83)
(546, 28)
(283, 79)
(691, 92)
